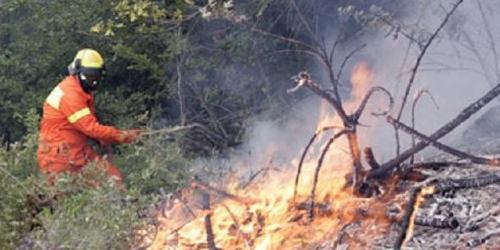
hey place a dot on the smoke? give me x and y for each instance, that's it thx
(458, 68)
(451, 70)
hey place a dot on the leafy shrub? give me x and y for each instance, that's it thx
(86, 210)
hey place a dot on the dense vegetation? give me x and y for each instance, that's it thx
(169, 63)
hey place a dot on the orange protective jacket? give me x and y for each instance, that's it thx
(68, 122)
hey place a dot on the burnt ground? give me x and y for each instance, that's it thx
(477, 210)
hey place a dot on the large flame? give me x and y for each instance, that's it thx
(270, 219)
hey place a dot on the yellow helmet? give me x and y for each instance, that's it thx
(88, 65)
(88, 62)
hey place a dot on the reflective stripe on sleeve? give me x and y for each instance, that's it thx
(54, 98)
(78, 115)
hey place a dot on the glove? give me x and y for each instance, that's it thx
(129, 136)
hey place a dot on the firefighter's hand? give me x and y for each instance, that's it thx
(129, 136)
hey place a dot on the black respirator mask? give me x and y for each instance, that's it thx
(89, 82)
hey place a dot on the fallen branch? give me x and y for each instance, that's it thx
(473, 182)
(482, 239)
(304, 153)
(208, 222)
(444, 130)
(475, 222)
(440, 222)
(318, 168)
(443, 147)
(408, 219)
(437, 222)
(434, 164)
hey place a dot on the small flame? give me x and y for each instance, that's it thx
(361, 79)
(420, 199)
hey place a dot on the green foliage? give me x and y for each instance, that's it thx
(83, 217)
(154, 165)
(87, 210)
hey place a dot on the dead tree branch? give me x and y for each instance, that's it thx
(367, 97)
(431, 221)
(473, 182)
(180, 95)
(415, 69)
(422, 53)
(491, 39)
(437, 222)
(444, 130)
(370, 158)
(318, 168)
(482, 239)
(413, 106)
(304, 79)
(443, 147)
(346, 59)
(259, 172)
(197, 183)
(288, 39)
(306, 149)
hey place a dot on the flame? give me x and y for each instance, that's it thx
(361, 79)
(270, 220)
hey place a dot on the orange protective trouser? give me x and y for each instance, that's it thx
(51, 162)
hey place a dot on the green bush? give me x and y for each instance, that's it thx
(73, 214)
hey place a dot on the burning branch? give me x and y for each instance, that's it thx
(197, 183)
(208, 222)
(318, 167)
(444, 130)
(254, 176)
(408, 221)
(306, 149)
(443, 147)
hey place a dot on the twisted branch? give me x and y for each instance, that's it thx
(306, 149)
(367, 97)
(318, 168)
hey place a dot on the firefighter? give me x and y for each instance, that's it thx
(69, 121)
